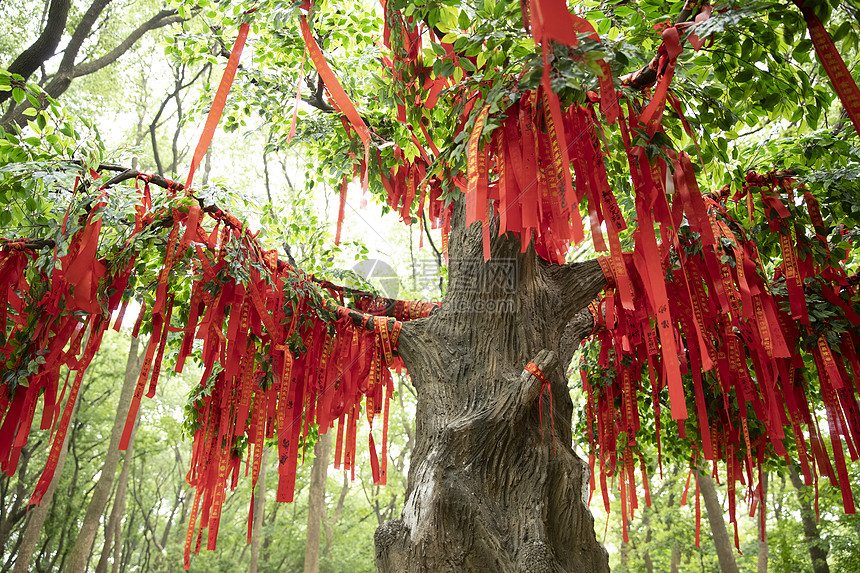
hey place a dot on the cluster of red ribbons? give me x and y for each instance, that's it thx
(533, 194)
(740, 345)
(61, 338)
(280, 354)
(405, 180)
(686, 304)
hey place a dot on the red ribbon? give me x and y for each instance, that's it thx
(218, 103)
(535, 371)
(844, 84)
(338, 95)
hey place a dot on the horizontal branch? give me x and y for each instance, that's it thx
(574, 286)
(386, 306)
(514, 401)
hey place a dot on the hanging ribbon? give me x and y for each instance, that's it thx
(218, 103)
(844, 84)
(338, 96)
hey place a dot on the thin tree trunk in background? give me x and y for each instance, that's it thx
(80, 554)
(316, 503)
(38, 514)
(676, 558)
(646, 554)
(817, 546)
(13, 513)
(259, 509)
(722, 543)
(761, 563)
(113, 535)
(625, 553)
(329, 524)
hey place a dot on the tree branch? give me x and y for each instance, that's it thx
(45, 45)
(578, 328)
(573, 285)
(515, 400)
(68, 70)
(383, 307)
(67, 64)
(160, 20)
(647, 75)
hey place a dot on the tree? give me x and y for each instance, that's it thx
(83, 543)
(718, 526)
(817, 546)
(73, 63)
(519, 94)
(316, 503)
(30, 537)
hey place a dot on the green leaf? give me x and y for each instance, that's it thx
(463, 20)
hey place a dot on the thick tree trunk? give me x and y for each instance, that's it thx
(259, 509)
(489, 490)
(80, 554)
(817, 547)
(316, 503)
(39, 513)
(722, 542)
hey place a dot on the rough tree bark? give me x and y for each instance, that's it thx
(487, 490)
(817, 546)
(722, 542)
(316, 503)
(80, 554)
